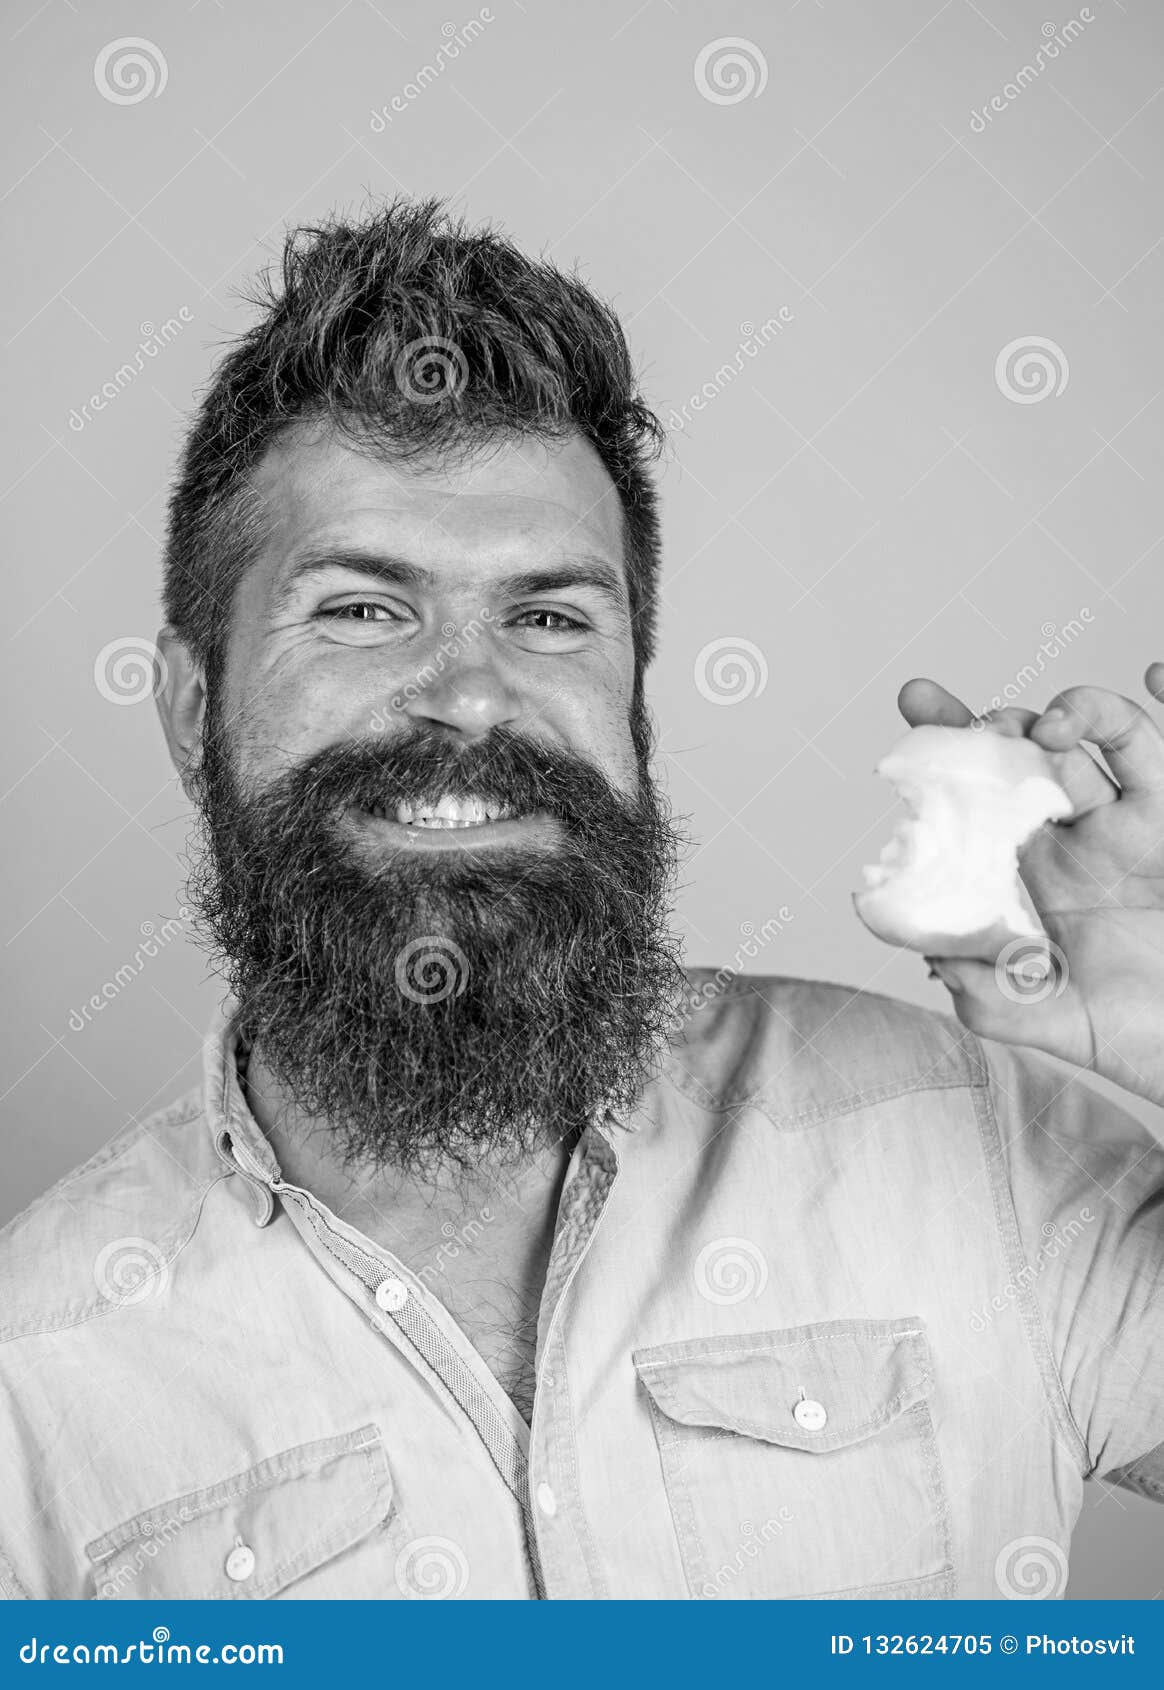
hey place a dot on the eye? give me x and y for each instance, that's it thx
(357, 610)
(565, 624)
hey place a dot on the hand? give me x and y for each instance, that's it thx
(1097, 881)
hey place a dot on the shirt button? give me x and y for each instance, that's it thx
(240, 1563)
(809, 1414)
(547, 1501)
(392, 1294)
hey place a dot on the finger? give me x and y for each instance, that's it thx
(1154, 681)
(922, 701)
(1081, 777)
(1128, 737)
(990, 1001)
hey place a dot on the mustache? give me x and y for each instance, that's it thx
(563, 978)
(505, 767)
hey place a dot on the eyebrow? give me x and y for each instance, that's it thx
(585, 570)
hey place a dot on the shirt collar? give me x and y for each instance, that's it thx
(238, 1138)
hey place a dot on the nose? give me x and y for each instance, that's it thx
(468, 694)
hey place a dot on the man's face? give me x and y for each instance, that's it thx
(319, 655)
(437, 866)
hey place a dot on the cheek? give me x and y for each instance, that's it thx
(599, 727)
(294, 708)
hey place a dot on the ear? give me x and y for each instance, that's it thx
(181, 702)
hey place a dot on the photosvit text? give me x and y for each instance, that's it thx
(981, 1643)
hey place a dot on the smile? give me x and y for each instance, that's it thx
(445, 812)
(456, 821)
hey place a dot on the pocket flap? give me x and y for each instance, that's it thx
(270, 1524)
(808, 1387)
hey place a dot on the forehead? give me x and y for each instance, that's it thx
(493, 506)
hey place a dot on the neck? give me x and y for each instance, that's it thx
(390, 1204)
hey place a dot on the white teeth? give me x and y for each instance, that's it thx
(452, 810)
(448, 812)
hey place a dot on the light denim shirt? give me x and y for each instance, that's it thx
(849, 1306)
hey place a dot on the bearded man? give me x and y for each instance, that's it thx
(498, 1254)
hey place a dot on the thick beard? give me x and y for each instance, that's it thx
(442, 1007)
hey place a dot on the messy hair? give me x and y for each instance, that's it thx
(413, 336)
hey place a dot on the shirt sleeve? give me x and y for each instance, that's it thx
(1086, 1178)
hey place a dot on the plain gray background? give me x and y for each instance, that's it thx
(855, 493)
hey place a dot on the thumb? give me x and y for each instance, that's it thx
(1013, 999)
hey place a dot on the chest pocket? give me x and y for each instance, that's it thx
(802, 1462)
(320, 1517)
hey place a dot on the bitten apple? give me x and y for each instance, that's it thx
(947, 883)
